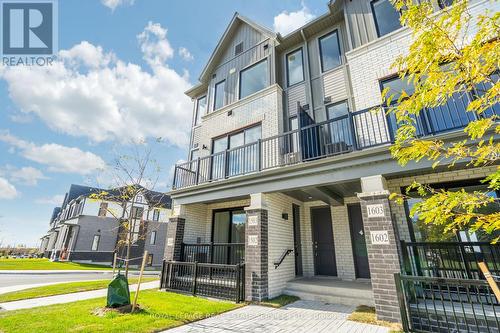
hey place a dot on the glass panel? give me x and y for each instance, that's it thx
(201, 109)
(254, 79)
(329, 51)
(294, 125)
(294, 67)
(238, 226)
(339, 130)
(386, 17)
(252, 134)
(218, 161)
(445, 3)
(221, 227)
(236, 140)
(219, 95)
(337, 110)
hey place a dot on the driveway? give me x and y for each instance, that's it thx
(298, 317)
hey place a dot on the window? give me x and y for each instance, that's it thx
(150, 260)
(103, 208)
(201, 109)
(253, 79)
(240, 160)
(295, 67)
(139, 198)
(396, 87)
(444, 3)
(152, 240)
(137, 212)
(340, 131)
(386, 17)
(228, 227)
(156, 215)
(219, 95)
(329, 50)
(95, 242)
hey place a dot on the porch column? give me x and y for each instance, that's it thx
(175, 236)
(256, 249)
(382, 244)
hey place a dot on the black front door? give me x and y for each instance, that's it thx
(296, 240)
(358, 242)
(324, 251)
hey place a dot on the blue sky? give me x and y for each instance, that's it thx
(121, 72)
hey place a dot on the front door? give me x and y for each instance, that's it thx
(296, 240)
(324, 251)
(358, 242)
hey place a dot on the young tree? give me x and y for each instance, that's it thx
(452, 53)
(129, 176)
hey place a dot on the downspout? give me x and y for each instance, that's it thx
(308, 74)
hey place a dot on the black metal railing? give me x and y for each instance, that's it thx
(210, 280)
(214, 253)
(450, 259)
(431, 304)
(354, 131)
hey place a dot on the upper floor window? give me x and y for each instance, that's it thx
(156, 215)
(329, 50)
(219, 95)
(95, 242)
(444, 3)
(254, 78)
(294, 67)
(201, 109)
(396, 87)
(103, 208)
(386, 17)
(139, 198)
(337, 110)
(152, 240)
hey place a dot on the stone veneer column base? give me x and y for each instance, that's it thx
(175, 236)
(256, 255)
(383, 258)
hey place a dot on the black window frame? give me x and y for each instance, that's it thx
(152, 240)
(375, 20)
(156, 214)
(196, 114)
(97, 244)
(302, 65)
(228, 135)
(337, 32)
(223, 95)
(248, 68)
(230, 229)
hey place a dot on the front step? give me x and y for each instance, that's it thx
(331, 290)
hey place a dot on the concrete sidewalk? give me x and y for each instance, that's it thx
(68, 298)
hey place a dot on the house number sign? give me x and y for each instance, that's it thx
(253, 220)
(376, 210)
(380, 237)
(253, 240)
(170, 241)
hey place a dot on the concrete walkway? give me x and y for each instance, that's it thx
(67, 298)
(298, 317)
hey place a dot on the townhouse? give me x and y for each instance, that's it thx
(85, 229)
(289, 169)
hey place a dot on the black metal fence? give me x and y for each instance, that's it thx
(450, 259)
(430, 304)
(210, 280)
(214, 253)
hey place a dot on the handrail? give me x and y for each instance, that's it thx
(283, 256)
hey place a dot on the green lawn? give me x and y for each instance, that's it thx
(45, 264)
(366, 314)
(62, 288)
(161, 310)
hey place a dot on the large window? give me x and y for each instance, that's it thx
(329, 49)
(423, 232)
(201, 109)
(228, 227)
(254, 78)
(103, 208)
(242, 156)
(152, 240)
(386, 17)
(294, 67)
(339, 129)
(219, 99)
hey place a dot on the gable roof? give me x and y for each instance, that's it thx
(226, 38)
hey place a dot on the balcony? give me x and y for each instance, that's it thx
(354, 131)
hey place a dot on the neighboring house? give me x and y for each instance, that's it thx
(84, 229)
(289, 168)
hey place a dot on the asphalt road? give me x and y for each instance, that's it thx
(9, 280)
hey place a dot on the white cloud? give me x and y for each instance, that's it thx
(185, 54)
(287, 22)
(25, 175)
(90, 93)
(55, 200)
(7, 190)
(58, 158)
(112, 4)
